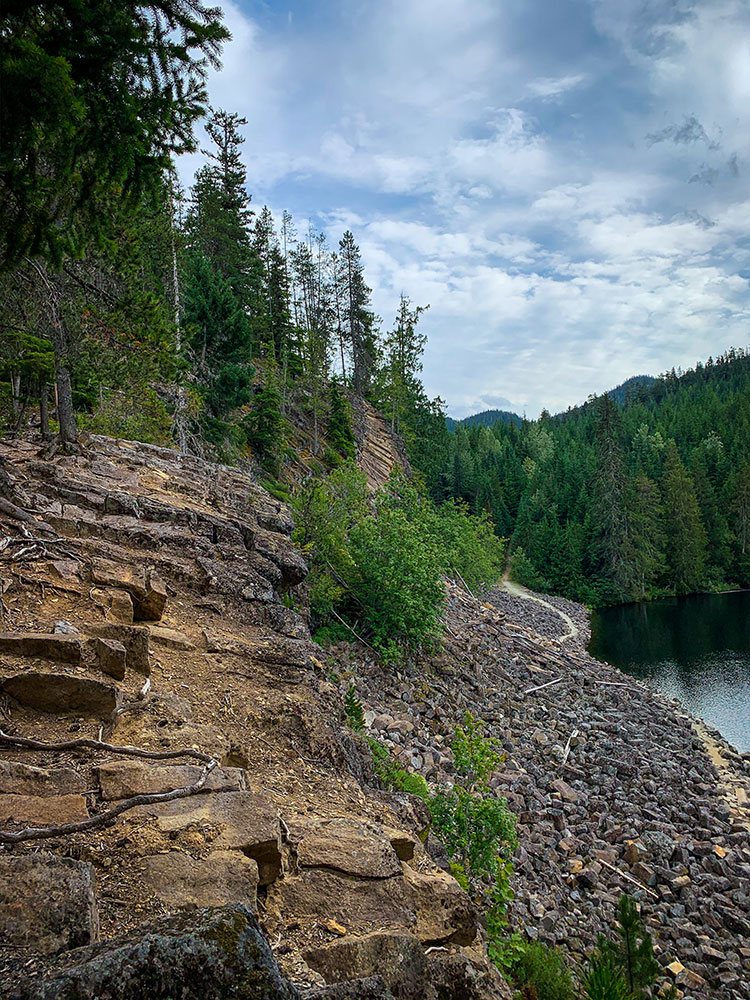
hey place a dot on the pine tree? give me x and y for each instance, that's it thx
(358, 323)
(685, 536)
(340, 434)
(96, 97)
(631, 951)
(403, 349)
(219, 219)
(613, 546)
(604, 980)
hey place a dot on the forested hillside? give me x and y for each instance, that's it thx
(608, 504)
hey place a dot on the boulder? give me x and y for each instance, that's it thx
(69, 916)
(122, 576)
(172, 638)
(346, 845)
(61, 693)
(243, 822)
(117, 604)
(371, 988)
(445, 913)
(460, 975)
(150, 607)
(397, 958)
(120, 779)
(23, 779)
(42, 810)
(111, 656)
(48, 646)
(359, 904)
(222, 878)
(208, 954)
(133, 637)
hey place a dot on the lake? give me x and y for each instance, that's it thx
(695, 649)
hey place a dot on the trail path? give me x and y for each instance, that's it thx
(518, 591)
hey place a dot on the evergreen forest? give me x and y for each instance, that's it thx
(133, 307)
(613, 502)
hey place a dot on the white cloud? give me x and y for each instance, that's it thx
(548, 88)
(486, 170)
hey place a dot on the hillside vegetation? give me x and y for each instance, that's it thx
(605, 504)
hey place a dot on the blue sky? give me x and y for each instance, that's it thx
(565, 182)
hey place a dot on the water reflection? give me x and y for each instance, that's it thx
(695, 649)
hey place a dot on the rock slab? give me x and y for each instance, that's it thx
(69, 916)
(209, 954)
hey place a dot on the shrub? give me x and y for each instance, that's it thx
(381, 558)
(353, 708)
(396, 579)
(542, 970)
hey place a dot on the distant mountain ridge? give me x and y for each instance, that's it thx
(488, 418)
(627, 388)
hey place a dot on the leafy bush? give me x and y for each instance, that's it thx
(378, 560)
(396, 579)
(542, 970)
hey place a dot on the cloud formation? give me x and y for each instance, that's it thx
(560, 180)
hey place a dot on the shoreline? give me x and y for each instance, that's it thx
(645, 801)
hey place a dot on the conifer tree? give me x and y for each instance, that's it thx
(685, 535)
(613, 546)
(631, 951)
(403, 349)
(358, 320)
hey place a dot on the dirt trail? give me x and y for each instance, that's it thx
(526, 595)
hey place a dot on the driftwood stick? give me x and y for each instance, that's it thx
(108, 817)
(629, 878)
(87, 744)
(567, 747)
(540, 687)
(347, 625)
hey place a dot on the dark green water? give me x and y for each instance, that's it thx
(695, 649)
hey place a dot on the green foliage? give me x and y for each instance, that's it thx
(604, 980)
(619, 500)
(475, 755)
(382, 558)
(544, 971)
(355, 714)
(340, 434)
(630, 950)
(396, 578)
(264, 425)
(95, 98)
(523, 571)
(394, 777)
(134, 416)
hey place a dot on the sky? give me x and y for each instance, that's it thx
(564, 182)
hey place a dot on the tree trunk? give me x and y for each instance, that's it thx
(65, 414)
(43, 411)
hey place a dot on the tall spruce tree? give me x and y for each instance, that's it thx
(685, 536)
(358, 324)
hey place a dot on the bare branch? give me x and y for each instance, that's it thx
(88, 744)
(108, 817)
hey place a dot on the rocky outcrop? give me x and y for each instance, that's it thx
(48, 904)
(208, 955)
(174, 584)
